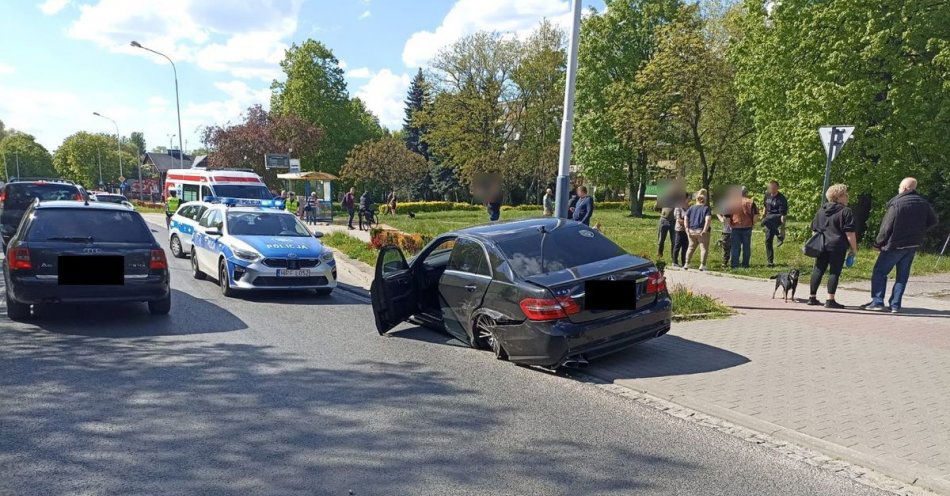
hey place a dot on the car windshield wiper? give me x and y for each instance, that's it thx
(87, 239)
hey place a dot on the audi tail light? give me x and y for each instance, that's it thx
(157, 261)
(19, 259)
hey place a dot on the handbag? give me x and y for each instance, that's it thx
(816, 244)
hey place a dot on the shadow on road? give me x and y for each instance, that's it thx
(82, 414)
(665, 356)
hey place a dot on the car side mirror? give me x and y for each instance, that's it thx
(213, 232)
(317, 234)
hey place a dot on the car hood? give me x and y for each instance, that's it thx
(281, 246)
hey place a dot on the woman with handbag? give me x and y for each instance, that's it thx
(833, 229)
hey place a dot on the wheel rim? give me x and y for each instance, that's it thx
(194, 262)
(176, 246)
(486, 335)
(223, 277)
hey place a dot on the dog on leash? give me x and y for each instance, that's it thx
(788, 281)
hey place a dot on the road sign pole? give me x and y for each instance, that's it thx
(828, 158)
(567, 125)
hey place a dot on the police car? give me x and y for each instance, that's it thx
(181, 227)
(256, 245)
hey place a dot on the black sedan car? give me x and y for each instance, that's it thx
(17, 195)
(77, 252)
(546, 292)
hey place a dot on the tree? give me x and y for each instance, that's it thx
(880, 65)
(384, 163)
(613, 46)
(33, 159)
(137, 138)
(81, 154)
(245, 144)
(315, 90)
(417, 100)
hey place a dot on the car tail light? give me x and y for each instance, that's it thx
(3, 196)
(549, 308)
(158, 260)
(19, 259)
(656, 283)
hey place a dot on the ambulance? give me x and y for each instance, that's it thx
(197, 184)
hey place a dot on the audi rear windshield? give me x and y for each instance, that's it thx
(563, 248)
(239, 191)
(82, 225)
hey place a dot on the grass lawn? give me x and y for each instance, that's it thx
(639, 237)
(351, 246)
(148, 210)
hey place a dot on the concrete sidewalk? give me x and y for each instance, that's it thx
(864, 387)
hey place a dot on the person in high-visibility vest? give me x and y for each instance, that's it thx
(291, 205)
(171, 206)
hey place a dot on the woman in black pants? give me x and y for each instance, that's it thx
(836, 221)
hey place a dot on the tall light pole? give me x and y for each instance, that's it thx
(118, 140)
(17, 155)
(567, 125)
(99, 161)
(181, 148)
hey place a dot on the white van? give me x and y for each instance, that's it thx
(197, 184)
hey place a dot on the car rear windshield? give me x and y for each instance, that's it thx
(20, 195)
(96, 225)
(238, 191)
(111, 198)
(265, 224)
(564, 247)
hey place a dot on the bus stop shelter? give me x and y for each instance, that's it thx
(313, 181)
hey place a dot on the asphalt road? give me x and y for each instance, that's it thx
(294, 394)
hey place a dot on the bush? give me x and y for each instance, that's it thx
(408, 243)
(430, 206)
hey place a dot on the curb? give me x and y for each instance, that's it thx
(917, 477)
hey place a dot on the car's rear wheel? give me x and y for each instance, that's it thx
(486, 336)
(195, 270)
(175, 245)
(223, 281)
(17, 310)
(160, 307)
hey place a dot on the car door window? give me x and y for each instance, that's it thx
(393, 262)
(205, 219)
(468, 256)
(198, 212)
(217, 220)
(187, 212)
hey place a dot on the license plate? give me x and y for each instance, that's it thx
(610, 295)
(293, 272)
(91, 270)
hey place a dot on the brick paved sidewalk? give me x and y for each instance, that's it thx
(869, 388)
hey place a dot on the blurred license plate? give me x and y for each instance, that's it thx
(293, 272)
(610, 295)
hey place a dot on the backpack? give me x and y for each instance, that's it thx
(816, 244)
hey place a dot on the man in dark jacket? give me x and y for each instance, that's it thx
(349, 203)
(585, 206)
(908, 218)
(776, 208)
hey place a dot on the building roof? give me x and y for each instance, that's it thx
(167, 160)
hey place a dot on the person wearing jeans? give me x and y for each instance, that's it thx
(680, 239)
(665, 230)
(907, 219)
(742, 213)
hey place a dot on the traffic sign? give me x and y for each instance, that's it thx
(276, 161)
(839, 135)
(294, 165)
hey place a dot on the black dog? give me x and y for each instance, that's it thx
(411, 215)
(788, 281)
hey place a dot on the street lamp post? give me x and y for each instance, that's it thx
(17, 155)
(181, 148)
(567, 125)
(118, 140)
(99, 161)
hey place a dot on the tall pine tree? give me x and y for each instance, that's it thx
(417, 99)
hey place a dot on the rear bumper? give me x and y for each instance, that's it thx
(31, 290)
(553, 343)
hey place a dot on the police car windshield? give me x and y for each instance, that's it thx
(240, 191)
(265, 224)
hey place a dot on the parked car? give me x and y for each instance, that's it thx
(101, 196)
(81, 252)
(547, 292)
(182, 226)
(259, 248)
(17, 195)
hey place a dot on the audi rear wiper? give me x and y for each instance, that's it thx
(87, 239)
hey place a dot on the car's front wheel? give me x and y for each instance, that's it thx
(175, 245)
(486, 336)
(223, 281)
(160, 307)
(195, 270)
(17, 310)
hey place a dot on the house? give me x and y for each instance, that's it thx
(162, 161)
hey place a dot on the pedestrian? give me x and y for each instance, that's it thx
(908, 217)
(291, 205)
(310, 210)
(698, 219)
(493, 205)
(836, 222)
(776, 208)
(365, 213)
(680, 238)
(667, 221)
(349, 203)
(585, 206)
(391, 203)
(742, 212)
(571, 203)
(171, 206)
(548, 203)
(283, 195)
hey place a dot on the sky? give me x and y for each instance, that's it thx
(65, 59)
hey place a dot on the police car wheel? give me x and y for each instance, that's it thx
(176, 248)
(196, 272)
(223, 279)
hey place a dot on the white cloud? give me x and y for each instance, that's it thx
(366, 13)
(6, 69)
(359, 73)
(468, 16)
(384, 94)
(52, 7)
(245, 39)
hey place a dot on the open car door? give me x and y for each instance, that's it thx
(393, 292)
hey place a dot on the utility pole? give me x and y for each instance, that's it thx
(567, 124)
(17, 155)
(99, 161)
